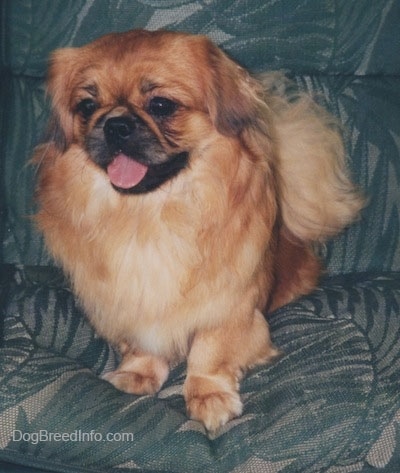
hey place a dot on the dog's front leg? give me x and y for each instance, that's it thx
(138, 372)
(217, 359)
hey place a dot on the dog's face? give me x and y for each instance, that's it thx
(142, 103)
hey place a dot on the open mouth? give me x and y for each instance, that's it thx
(125, 173)
(130, 176)
(131, 154)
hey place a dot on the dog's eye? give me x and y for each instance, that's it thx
(86, 108)
(161, 107)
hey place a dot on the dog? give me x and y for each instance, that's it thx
(184, 199)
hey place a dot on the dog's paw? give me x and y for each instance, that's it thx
(139, 374)
(212, 401)
(133, 383)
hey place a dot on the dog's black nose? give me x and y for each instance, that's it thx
(118, 130)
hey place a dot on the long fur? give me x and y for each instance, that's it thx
(185, 271)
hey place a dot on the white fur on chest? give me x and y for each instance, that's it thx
(138, 297)
(135, 264)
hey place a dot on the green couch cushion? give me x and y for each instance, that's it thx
(345, 52)
(331, 401)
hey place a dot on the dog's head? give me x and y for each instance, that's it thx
(140, 103)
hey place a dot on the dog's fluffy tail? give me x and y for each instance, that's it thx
(317, 198)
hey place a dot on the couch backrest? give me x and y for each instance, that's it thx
(347, 52)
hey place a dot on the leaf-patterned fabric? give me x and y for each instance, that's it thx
(331, 400)
(331, 403)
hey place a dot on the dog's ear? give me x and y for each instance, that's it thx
(55, 133)
(61, 74)
(233, 96)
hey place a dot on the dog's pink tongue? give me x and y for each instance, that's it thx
(125, 172)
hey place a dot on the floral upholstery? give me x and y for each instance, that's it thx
(331, 403)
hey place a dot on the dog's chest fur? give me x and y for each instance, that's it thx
(145, 267)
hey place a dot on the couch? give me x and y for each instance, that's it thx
(331, 403)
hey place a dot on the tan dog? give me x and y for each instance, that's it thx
(182, 201)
